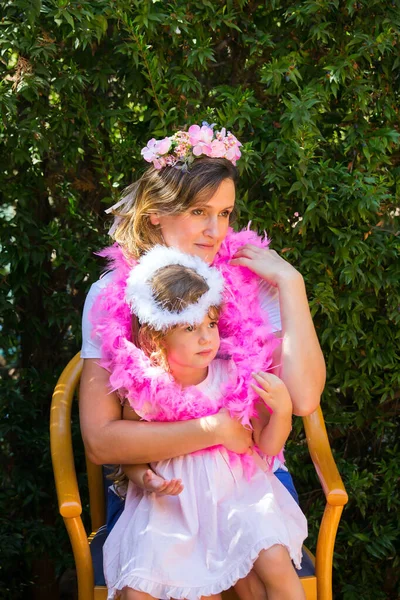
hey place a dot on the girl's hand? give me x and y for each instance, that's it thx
(273, 392)
(162, 487)
(267, 264)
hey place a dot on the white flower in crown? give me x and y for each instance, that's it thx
(185, 146)
(139, 293)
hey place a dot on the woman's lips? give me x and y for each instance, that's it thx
(204, 352)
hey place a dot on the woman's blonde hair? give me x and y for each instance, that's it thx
(168, 191)
(174, 288)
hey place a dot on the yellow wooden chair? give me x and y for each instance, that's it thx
(316, 586)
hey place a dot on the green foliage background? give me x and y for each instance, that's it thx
(312, 89)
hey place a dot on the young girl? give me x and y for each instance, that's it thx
(232, 515)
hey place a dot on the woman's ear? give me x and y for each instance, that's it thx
(154, 219)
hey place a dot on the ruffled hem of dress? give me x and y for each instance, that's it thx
(166, 591)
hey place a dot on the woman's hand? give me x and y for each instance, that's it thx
(273, 392)
(267, 264)
(231, 433)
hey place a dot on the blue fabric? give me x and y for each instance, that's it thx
(286, 479)
(96, 549)
(115, 506)
(307, 567)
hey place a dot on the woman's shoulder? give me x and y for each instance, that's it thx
(99, 285)
(94, 291)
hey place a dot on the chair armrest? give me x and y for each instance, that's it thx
(321, 455)
(69, 501)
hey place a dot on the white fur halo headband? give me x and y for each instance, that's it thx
(139, 294)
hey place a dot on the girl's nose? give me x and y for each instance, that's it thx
(204, 336)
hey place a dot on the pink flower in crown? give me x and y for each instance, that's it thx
(163, 146)
(159, 163)
(149, 152)
(233, 153)
(200, 138)
(202, 148)
(200, 134)
(218, 149)
(197, 141)
(221, 134)
(183, 146)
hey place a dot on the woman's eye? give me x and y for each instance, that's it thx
(197, 211)
(225, 213)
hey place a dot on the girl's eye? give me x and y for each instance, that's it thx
(213, 324)
(189, 328)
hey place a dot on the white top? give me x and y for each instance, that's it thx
(91, 346)
(219, 372)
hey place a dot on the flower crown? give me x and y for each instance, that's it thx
(185, 146)
(139, 293)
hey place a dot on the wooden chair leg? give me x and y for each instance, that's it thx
(324, 554)
(82, 556)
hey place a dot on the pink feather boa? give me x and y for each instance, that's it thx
(246, 338)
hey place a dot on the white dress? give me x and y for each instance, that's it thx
(202, 541)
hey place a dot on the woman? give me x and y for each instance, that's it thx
(185, 200)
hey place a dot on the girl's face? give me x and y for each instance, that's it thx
(202, 228)
(189, 349)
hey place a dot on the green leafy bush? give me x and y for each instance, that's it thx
(312, 89)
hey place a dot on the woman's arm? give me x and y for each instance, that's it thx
(109, 439)
(299, 361)
(143, 476)
(135, 473)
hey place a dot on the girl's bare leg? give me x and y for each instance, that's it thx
(251, 587)
(215, 597)
(275, 569)
(130, 594)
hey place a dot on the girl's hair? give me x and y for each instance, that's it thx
(174, 288)
(168, 191)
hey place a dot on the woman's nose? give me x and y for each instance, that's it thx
(212, 227)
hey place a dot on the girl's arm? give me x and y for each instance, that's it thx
(109, 439)
(299, 360)
(276, 427)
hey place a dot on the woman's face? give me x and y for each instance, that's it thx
(202, 228)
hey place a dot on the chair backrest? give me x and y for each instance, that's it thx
(62, 451)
